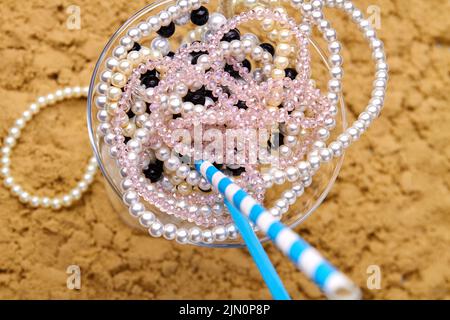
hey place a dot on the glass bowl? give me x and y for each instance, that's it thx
(304, 206)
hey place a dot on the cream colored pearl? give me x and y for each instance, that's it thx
(114, 93)
(175, 180)
(285, 35)
(112, 107)
(145, 52)
(118, 80)
(273, 35)
(283, 49)
(281, 62)
(267, 24)
(155, 55)
(278, 74)
(184, 188)
(129, 130)
(125, 67)
(134, 57)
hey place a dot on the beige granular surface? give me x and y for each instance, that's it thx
(390, 206)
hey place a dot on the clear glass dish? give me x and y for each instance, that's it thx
(305, 205)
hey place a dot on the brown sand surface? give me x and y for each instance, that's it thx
(390, 206)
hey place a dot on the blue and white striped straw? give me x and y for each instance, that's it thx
(334, 284)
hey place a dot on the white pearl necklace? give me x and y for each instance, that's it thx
(10, 141)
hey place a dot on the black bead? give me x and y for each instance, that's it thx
(171, 54)
(130, 114)
(209, 94)
(247, 65)
(150, 73)
(241, 105)
(167, 31)
(198, 99)
(290, 73)
(268, 47)
(218, 166)
(231, 35)
(136, 47)
(154, 171)
(229, 68)
(237, 172)
(150, 82)
(200, 16)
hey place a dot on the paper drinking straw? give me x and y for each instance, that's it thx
(334, 284)
(258, 254)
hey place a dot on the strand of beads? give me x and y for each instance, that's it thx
(10, 141)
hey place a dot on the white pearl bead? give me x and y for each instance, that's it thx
(24, 197)
(337, 148)
(4, 172)
(136, 209)
(161, 45)
(207, 236)
(232, 231)
(276, 212)
(76, 193)
(279, 177)
(183, 171)
(8, 182)
(325, 154)
(35, 202)
(56, 204)
(146, 219)
(345, 139)
(170, 231)
(298, 189)
(130, 197)
(193, 178)
(9, 142)
(267, 180)
(195, 234)
(156, 229)
(154, 23)
(220, 233)
(164, 18)
(182, 236)
(67, 200)
(289, 196)
(216, 20)
(314, 161)
(292, 174)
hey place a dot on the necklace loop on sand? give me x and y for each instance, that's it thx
(10, 142)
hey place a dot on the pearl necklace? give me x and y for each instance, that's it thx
(10, 141)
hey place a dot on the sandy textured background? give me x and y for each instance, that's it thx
(390, 206)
